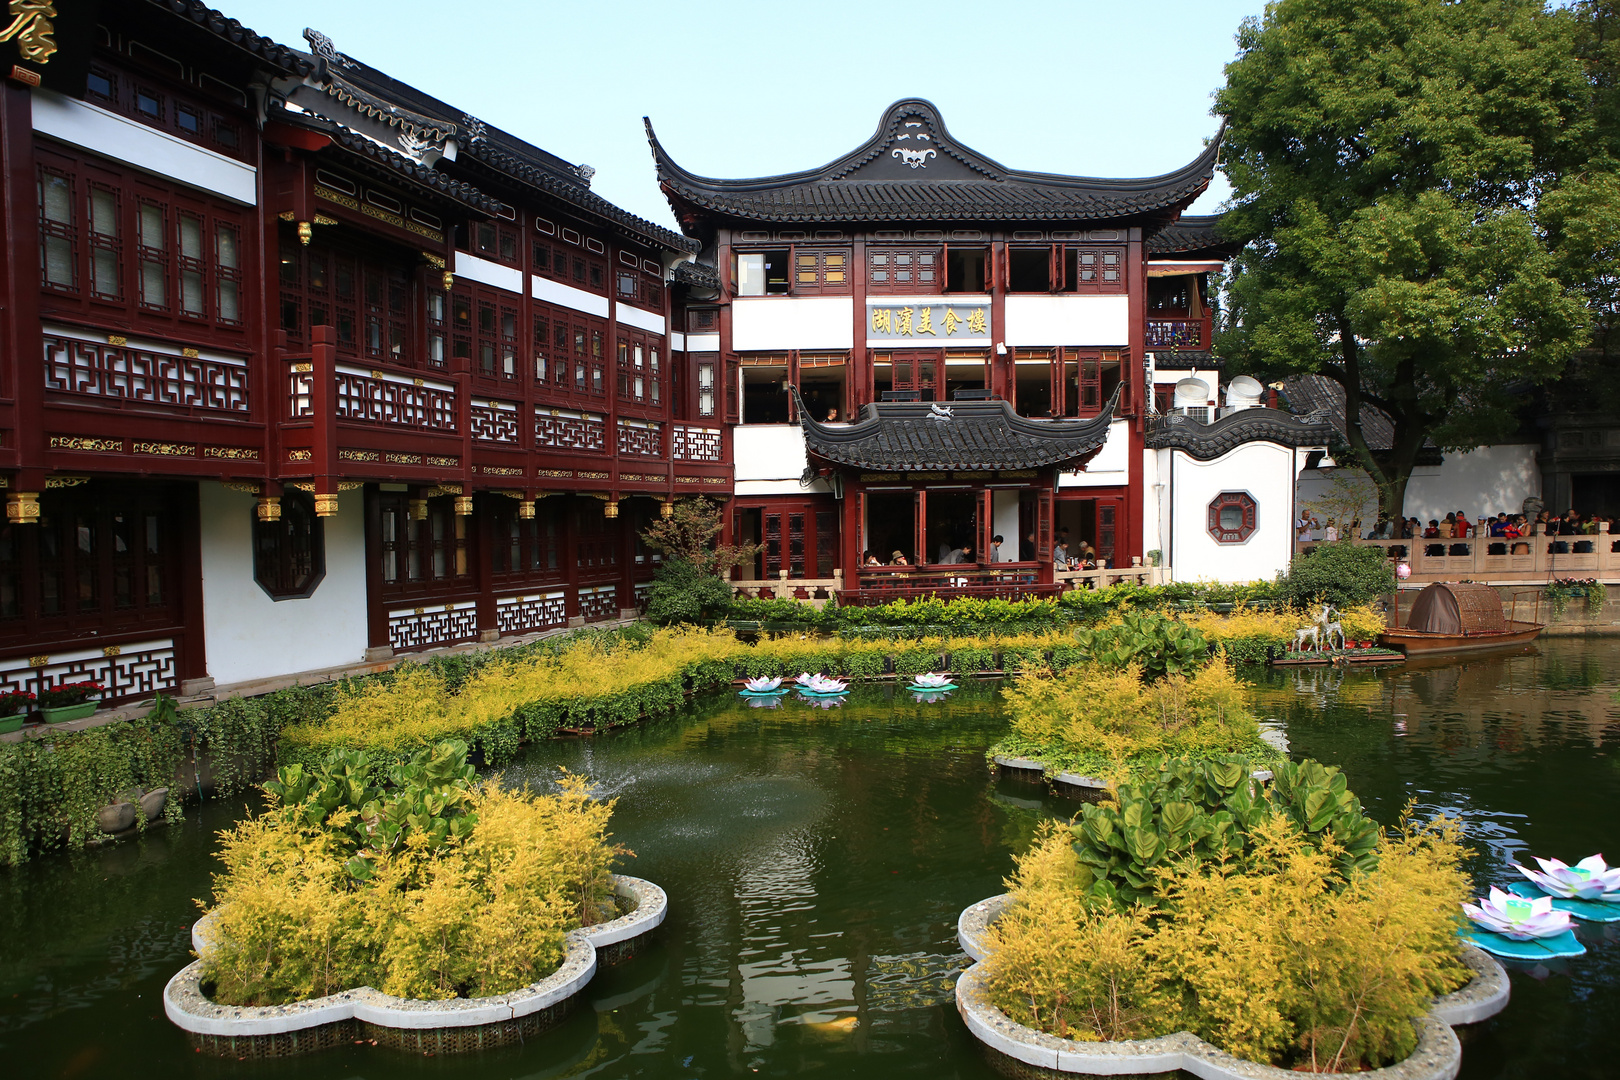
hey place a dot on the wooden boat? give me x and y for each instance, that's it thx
(1454, 617)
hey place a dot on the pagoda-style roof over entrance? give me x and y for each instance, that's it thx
(923, 436)
(912, 169)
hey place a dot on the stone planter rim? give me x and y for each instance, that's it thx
(188, 1008)
(1438, 1055)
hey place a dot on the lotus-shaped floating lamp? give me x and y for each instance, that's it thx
(762, 684)
(1589, 879)
(805, 678)
(931, 681)
(1516, 918)
(820, 684)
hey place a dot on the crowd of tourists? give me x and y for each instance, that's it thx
(1456, 525)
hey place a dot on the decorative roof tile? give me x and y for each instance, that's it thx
(912, 169)
(1206, 441)
(227, 29)
(696, 274)
(1192, 233)
(911, 436)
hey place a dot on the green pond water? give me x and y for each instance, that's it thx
(816, 862)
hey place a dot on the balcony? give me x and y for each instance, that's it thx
(1173, 334)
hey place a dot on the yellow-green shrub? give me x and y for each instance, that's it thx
(1279, 959)
(1101, 720)
(469, 918)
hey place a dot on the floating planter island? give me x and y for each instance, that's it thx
(456, 1025)
(1016, 1050)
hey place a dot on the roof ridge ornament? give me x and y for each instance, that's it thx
(326, 53)
(474, 127)
(584, 172)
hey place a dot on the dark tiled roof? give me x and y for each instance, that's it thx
(698, 275)
(1206, 441)
(399, 166)
(230, 30)
(1192, 233)
(924, 436)
(913, 170)
(1185, 360)
(1320, 395)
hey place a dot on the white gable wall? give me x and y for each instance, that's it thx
(1264, 470)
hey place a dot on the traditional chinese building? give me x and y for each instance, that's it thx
(302, 365)
(971, 351)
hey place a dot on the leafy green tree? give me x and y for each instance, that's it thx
(1342, 574)
(691, 584)
(1389, 160)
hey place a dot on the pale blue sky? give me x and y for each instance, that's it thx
(750, 89)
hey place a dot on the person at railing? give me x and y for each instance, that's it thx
(995, 548)
(869, 559)
(957, 556)
(898, 558)
(1303, 528)
(1060, 556)
(1461, 529)
(1448, 527)
(1433, 531)
(1331, 533)
(1026, 550)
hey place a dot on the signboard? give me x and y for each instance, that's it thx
(921, 319)
(47, 43)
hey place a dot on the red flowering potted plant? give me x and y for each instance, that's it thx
(68, 701)
(14, 708)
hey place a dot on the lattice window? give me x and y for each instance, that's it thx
(429, 627)
(129, 672)
(689, 443)
(559, 429)
(599, 603)
(1099, 269)
(289, 554)
(821, 270)
(423, 553)
(365, 300)
(1233, 517)
(903, 270)
(525, 614)
(644, 439)
(494, 421)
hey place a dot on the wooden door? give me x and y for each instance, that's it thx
(917, 371)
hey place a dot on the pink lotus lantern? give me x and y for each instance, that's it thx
(1402, 571)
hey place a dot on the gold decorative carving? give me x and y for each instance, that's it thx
(351, 485)
(358, 455)
(303, 485)
(687, 479)
(382, 215)
(164, 449)
(322, 192)
(435, 261)
(972, 475)
(583, 475)
(666, 509)
(111, 650)
(269, 508)
(716, 480)
(65, 481)
(285, 215)
(22, 508)
(80, 442)
(326, 505)
(402, 459)
(446, 462)
(189, 354)
(306, 232)
(417, 382)
(38, 661)
(449, 280)
(443, 489)
(526, 509)
(868, 477)
(420, 610)
(117, 339)
(322, 219)
(299, 455)
(557, 474)
(5, 482)
(303, 369)
(611, 510)
(419, 513)
(232, 453)
(929, 475)
(1017, 474)
(246, 487)
(422, 230)
(464, 506)
(501, 470)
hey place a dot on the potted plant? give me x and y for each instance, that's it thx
(69, 701)
(14, 707)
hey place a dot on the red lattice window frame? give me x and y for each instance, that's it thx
(1233, 517)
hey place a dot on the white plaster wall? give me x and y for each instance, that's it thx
(555, 292)
(1004, 520)
(1266, 472)
(506, 278)
(1481, 482)
(792, 322)
(640, 318)
(1110, 466)
(1155, 505)
(117, 137)
(697, 343)
(768, 452)
(1484, 481)
(1067, 320)
(248, 635)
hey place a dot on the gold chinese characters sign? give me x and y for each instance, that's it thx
(33, 29)
(47, 43)
(927, 322)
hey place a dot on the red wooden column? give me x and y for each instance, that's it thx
(1130, 529)
(23, 379)
(919, 535)
(854, 532)
(987, 525)
(323, 404)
